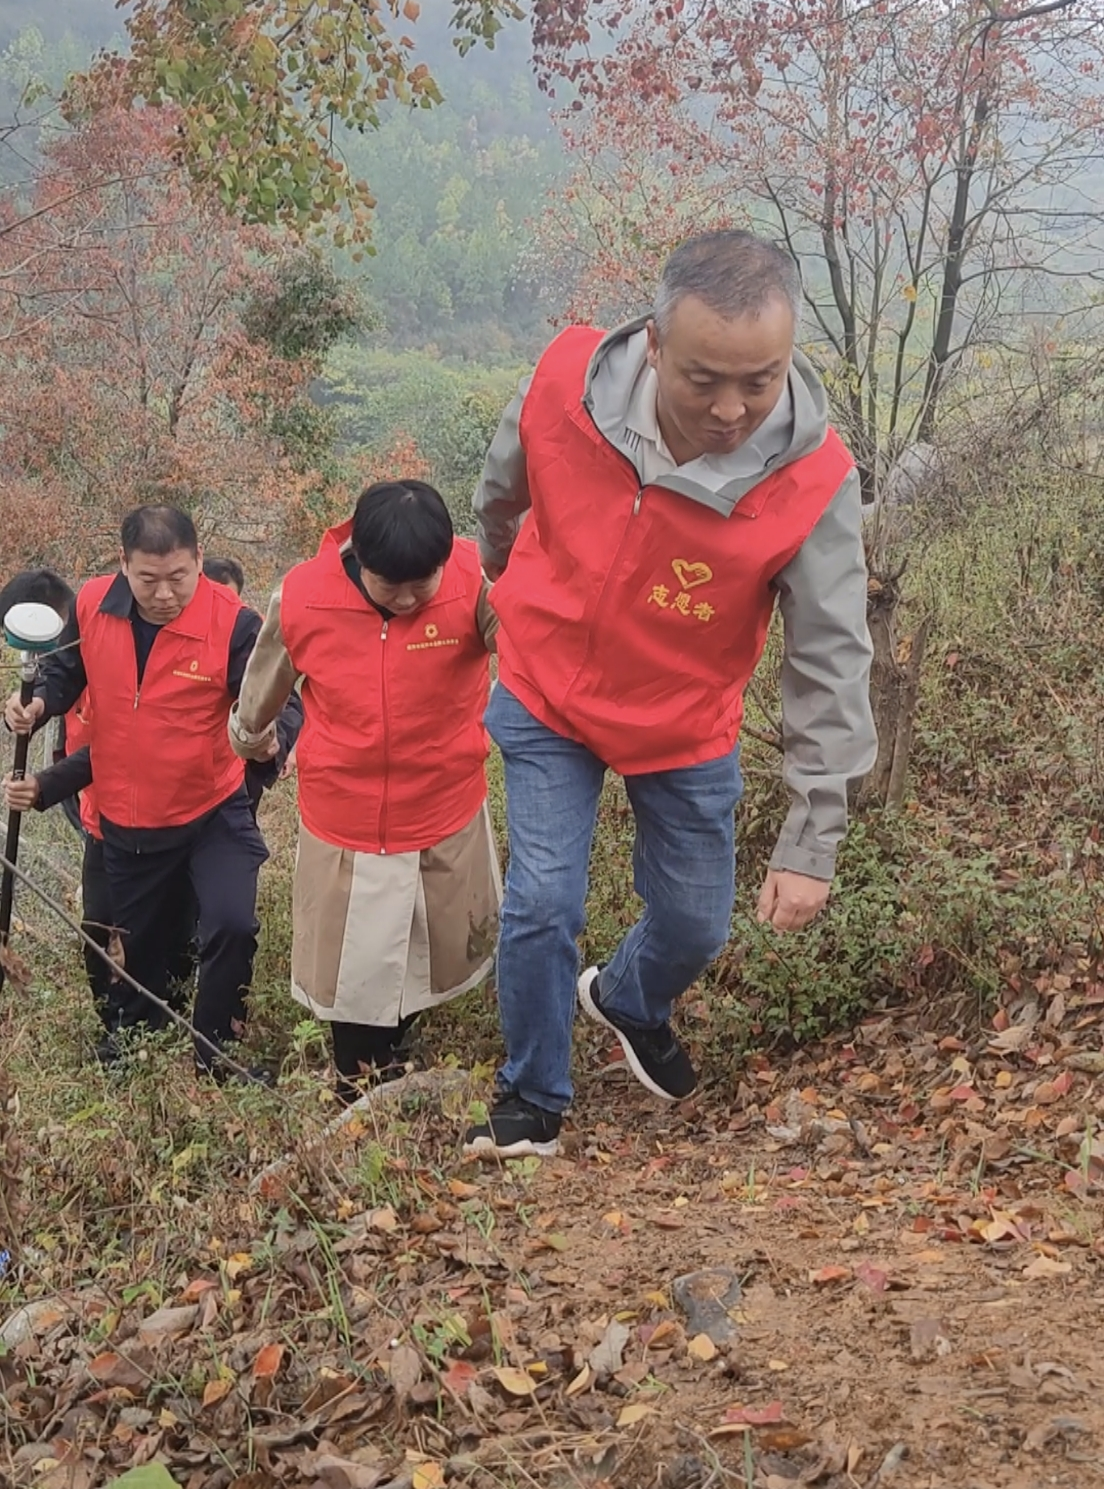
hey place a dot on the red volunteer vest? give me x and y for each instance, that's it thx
(391, 755)
(78, 731)
(160, 754)
(631, 618)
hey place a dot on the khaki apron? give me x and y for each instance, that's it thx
(380, 936)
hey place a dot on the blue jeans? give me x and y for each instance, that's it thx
(683, 871)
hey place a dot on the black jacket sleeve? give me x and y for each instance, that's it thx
(70, 776)
(61, 675)
(242, 640)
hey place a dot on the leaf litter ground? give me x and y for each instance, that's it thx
(903, 1239)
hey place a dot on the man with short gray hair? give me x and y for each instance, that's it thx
(648, 497)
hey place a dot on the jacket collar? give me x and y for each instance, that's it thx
(336, 544)
(194, 621)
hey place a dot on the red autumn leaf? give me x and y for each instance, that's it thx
(196, 1287)
(1062, 1083)
(268, 1359)
(962, 1093)
(875, 1278)
(833, 1273)
(771, 1413)
(459, 1377)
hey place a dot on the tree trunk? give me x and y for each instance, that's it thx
(896, 680)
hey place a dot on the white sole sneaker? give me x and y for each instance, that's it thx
(591, 1008)
(485, 1148)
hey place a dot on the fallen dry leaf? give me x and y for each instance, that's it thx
(459, 1377)
(404, 1369)
(268, 1360)
(1046, 1268)
(702, 1348)
(196, 1287)
(579, 1382)
(606, 1359)
(514, 1381)
(662, 1334)
(169, 1321)
(873, 1278)
(833, 1273)
(742, 1413)
(113, 1369)
(216, 1390)
(427, 1475)
(633, 1413)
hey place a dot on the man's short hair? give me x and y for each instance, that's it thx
(226, 572)
(733, 272)
(45, 587)
(402, 531)
(158, 530)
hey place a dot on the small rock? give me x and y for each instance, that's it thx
(686, 1471)
(707, 1297)
(28, 1320)
(928, 1339)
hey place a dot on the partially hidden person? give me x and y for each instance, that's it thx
(161, 651)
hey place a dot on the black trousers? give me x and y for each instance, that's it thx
(176, 935)
(221, 855)
(362, 1051)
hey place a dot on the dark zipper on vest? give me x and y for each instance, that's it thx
(384, 720)
(137, 694)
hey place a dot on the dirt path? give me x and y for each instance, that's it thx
(915, 1225)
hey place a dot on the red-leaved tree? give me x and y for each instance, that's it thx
(931, 165)
(126, 370)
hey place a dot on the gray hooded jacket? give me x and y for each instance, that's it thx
(828, 733)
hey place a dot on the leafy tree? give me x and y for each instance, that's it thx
(929, 165)
(142, 359)
(266, 87)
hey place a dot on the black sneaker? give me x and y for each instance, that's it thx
(655, 1056)
(514, 1128)
(219, 1073)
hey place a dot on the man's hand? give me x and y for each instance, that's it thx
(289, 767)
(23, 719)
(21, 796)
(790, 900)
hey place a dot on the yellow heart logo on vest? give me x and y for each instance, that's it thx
(691, 573)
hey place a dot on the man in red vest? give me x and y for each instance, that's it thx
(650, 495)
(161, 651)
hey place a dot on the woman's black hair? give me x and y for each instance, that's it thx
(402, 531)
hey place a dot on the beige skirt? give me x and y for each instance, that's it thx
(376, 937)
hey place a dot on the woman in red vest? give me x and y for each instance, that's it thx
(397, 889)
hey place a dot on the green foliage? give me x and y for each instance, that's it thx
(457, 188)
(265, 90)
(450, 412)
(152, 1477)
(303, 309)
